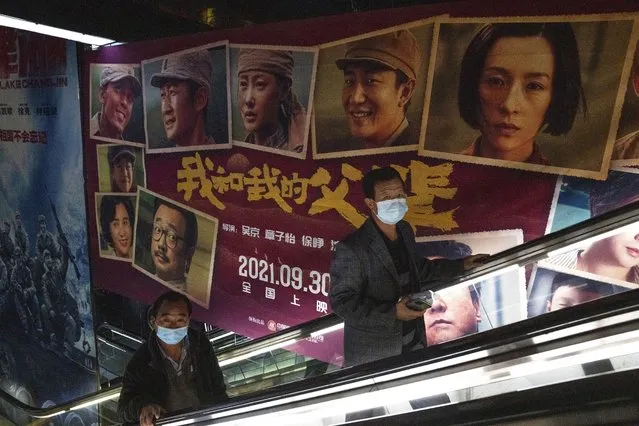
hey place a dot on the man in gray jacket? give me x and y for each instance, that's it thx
(375, 268)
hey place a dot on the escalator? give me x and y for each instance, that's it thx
(579, 363)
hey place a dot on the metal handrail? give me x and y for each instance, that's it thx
(522, 254)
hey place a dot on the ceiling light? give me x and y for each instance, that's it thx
(21, 24)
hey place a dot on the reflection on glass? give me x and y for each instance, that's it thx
(615, 257)
(455, 313)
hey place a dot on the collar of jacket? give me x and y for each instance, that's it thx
(157, 359)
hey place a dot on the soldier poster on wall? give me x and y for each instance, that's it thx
(45, 305)
(116, 104)
(120, 168)
(370, 92)
(186, 98)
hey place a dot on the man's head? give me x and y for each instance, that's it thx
(121, 162)
(42, 223)
(170, 310)
(380, 74)
(455, 313)
(118, 89)
(571, 292)
(174, 239)
(17, 255)
(385, 195)
(47, 258)
(184, 83)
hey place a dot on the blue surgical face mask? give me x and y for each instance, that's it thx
(171, 336)
(392, 211)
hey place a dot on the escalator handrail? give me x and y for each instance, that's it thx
(530, 252)
(522, 333)
(524, 330)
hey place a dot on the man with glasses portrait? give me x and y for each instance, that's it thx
(173, 242)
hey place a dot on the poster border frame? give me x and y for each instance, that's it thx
(518, 165)
(89, 116)
(214, 242)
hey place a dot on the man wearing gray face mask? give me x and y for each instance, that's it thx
(375, 268)
(175, 370)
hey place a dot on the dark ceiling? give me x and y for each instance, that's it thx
(130, 20)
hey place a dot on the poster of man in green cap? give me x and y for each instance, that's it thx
(185, 100)
(116, 107)
(370, 92)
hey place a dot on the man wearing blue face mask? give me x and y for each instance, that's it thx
(175, 370)
(375, 268)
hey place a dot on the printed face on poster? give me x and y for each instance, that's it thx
(626, 148)
(527, 95)
(467, 309)
(186, 97)
(116, 110)
(116, 221)
(271, 97)
(175, 245)
(369, 92)
(598, 267)
(120, 168)
(551, 291)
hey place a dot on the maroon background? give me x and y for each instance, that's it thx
(488, 198)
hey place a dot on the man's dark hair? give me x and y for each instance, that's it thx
(108, 205)
(190, 234)
(617, 191)
(193, 88)
(169, 296)
(578, 283)
(448, 249)
(567, 91)
(383, 174)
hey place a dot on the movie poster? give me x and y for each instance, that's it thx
(47, 344)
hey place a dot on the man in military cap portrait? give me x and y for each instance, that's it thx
(121, 166)
(185, 83)
(380, 75)
(118, 89)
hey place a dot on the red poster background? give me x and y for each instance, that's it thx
(487, 198)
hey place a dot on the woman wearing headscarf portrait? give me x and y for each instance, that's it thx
(271, 113)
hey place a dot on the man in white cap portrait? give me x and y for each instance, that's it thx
(118, 89)
(185, 84)
(380, 75)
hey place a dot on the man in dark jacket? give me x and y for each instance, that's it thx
(375, 268)
(175, 370)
